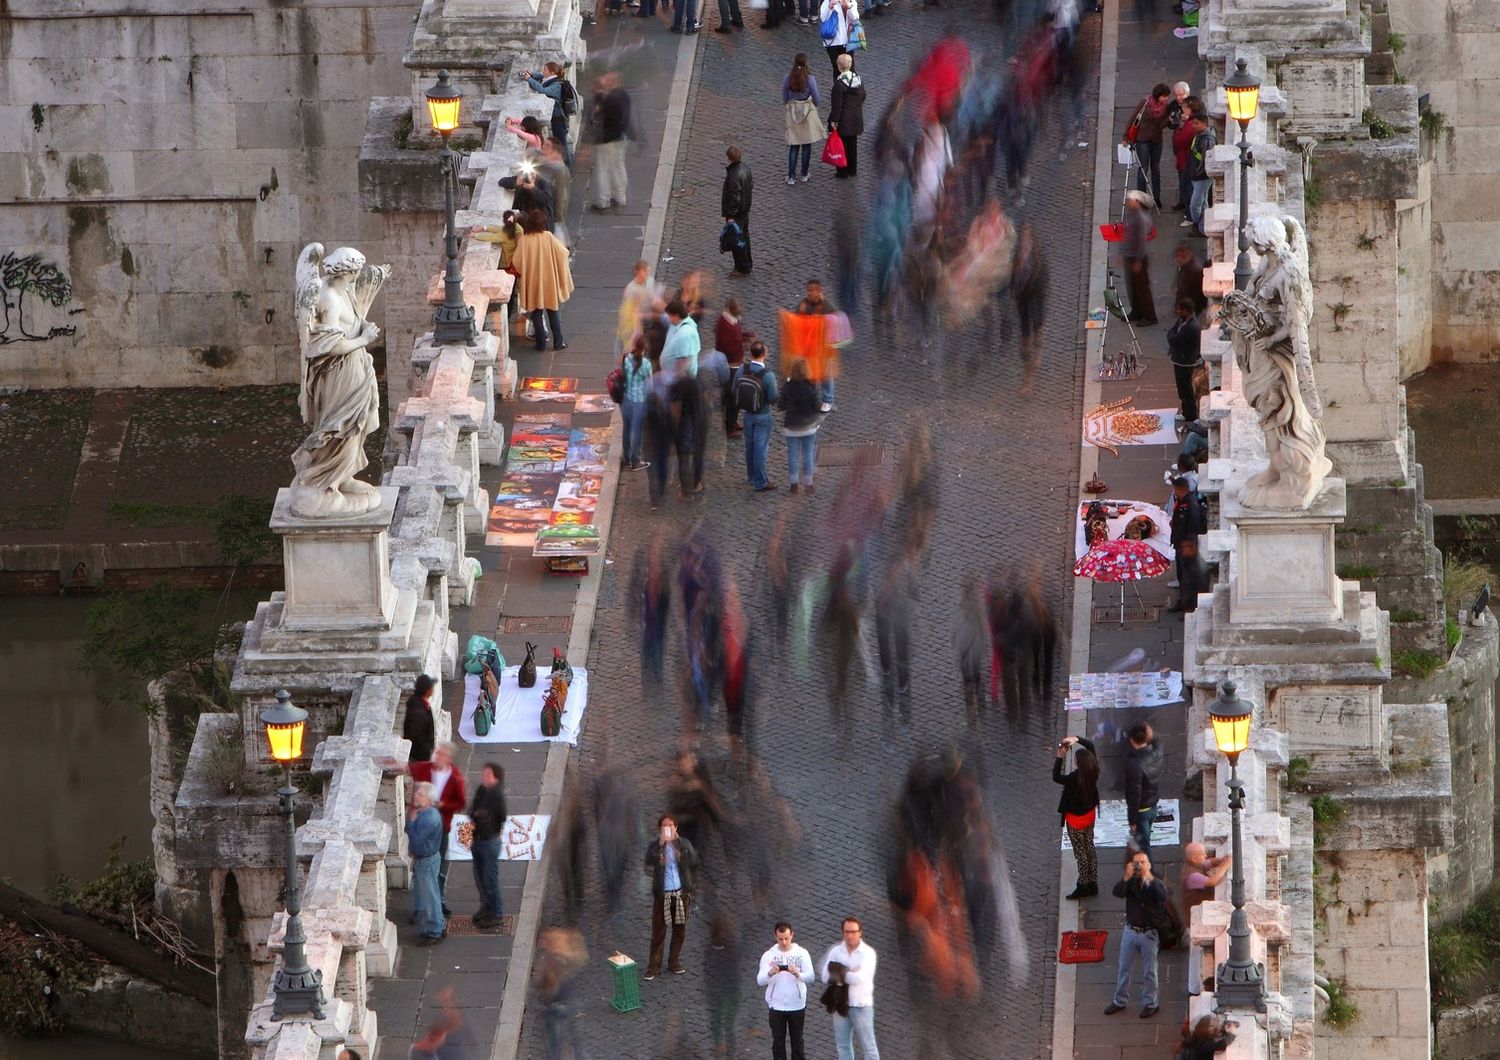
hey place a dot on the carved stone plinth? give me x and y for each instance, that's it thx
(337, 570)
(1284, 560)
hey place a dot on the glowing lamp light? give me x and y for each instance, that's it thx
(443, 103)
(1230, 716)
(1242, 94)
(284, 724)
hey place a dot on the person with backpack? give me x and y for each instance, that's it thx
(754, 395)
(1204, 140)
(1145, 907)
(559, 89)
(800, 405)
(1188, 521)
(836, 20)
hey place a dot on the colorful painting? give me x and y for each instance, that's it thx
(594, 403)
(550, 388)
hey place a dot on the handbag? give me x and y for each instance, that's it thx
(1081, 821)
(1133, 130)
(857, 39)
(484, 714)
(828, 29)
(526, 677)
(833, 150)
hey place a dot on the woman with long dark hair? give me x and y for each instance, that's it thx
(1079, 806)
(544, 278)
(799, 95)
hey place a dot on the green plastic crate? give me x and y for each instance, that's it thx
(627, 986)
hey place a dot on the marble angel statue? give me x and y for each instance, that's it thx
(340, 398)
(1268, 323)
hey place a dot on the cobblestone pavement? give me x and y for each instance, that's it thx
(1007, 466)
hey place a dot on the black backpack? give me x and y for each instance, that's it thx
(569, 97)
(749, 391)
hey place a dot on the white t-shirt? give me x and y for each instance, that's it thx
(784, 992)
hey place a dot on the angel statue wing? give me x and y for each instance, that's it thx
(367, 285)
(309, 285)
(1302, 290)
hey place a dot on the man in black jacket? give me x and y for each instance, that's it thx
(1184, 345)
(418, 725)
(735, 205)
(1143, 766)
(1188, 521)
(673, 864)
(531, 192)
(1145, 904)
(488, 814)
(612, 120)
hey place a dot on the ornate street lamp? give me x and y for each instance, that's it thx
(453, 323)
(1239, 981)
(298, 989)
(1242, 94)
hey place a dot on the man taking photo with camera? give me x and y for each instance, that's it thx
(1145, 906)
(785, 971)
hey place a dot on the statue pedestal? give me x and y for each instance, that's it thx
(337, 570)
(1283, 568)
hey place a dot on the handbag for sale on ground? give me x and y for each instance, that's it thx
(526, 678)
(561, 665)
(484, 714)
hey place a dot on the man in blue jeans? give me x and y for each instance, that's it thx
(1145, 903)
(755, 394)
(488, 814)
(856, 969)
(1143, 766)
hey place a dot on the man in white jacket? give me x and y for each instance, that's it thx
(785, 971)
(858, 960)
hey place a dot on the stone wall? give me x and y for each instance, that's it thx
(161, 165)
(1451, 50)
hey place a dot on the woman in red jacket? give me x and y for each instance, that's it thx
(729, 339)
(1182, 141)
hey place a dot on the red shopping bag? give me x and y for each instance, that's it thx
(833, 150)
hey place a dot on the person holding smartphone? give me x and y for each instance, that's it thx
(785, 971)
(1145, 903)
(673, 864)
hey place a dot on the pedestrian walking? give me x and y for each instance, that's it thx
(755, 394)
(451, 796)
(418, 725)
(692, 430)
(545, 280)
(612, 122)
(836, 22)
(561, 955)
(559, 89)
(1184, 345)
(661, 435)
(1028, 286)
(800, 99)
(647, 9)
(1150, 123)
(729, 342)
(673, 864)
(1204, 140)
(617, 825)
(637, 372)
(635, 303)
(424, 843)
(1145, 903)
(974, 648)
(729, 16)
(734, 205)
(1188, 521)
(679, 358)
(1143, 769)
(785, 970)
(853, 961)
(1134, 250)
(553, 168)
(488, 814)
(847, 114)
(722, 988)
(1076, 768)
(895, 602)
(800, 407)
(814, 344)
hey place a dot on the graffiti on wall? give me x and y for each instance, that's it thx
(26, 283)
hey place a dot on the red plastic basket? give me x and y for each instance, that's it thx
(1082, 947)
(1115, 232)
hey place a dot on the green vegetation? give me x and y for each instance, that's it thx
(1402, 615)
(150, 513)
(1340, 310)
(1365, 242)
(1358, 571)
(38, 117)
(1453, 632)
(1312, 198)
(137, 637)
(115, 894)
(1296, 773)
(1327, 812)
(467, 144)
(1417, 663)
(1462, 580)
(1462, 956)
(1433, 122)
(34, 969)
(401, 136)
(1397, 42)
(1341, 1011)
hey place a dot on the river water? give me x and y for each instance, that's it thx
(73, 771)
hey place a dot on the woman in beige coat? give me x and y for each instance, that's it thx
(799, 94)
(544, 279)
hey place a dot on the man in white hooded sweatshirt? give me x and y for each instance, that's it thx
(785, 971)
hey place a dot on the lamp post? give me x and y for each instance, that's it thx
(298, 988)
(453, 323)
(1242, 95)
(1239, 981)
